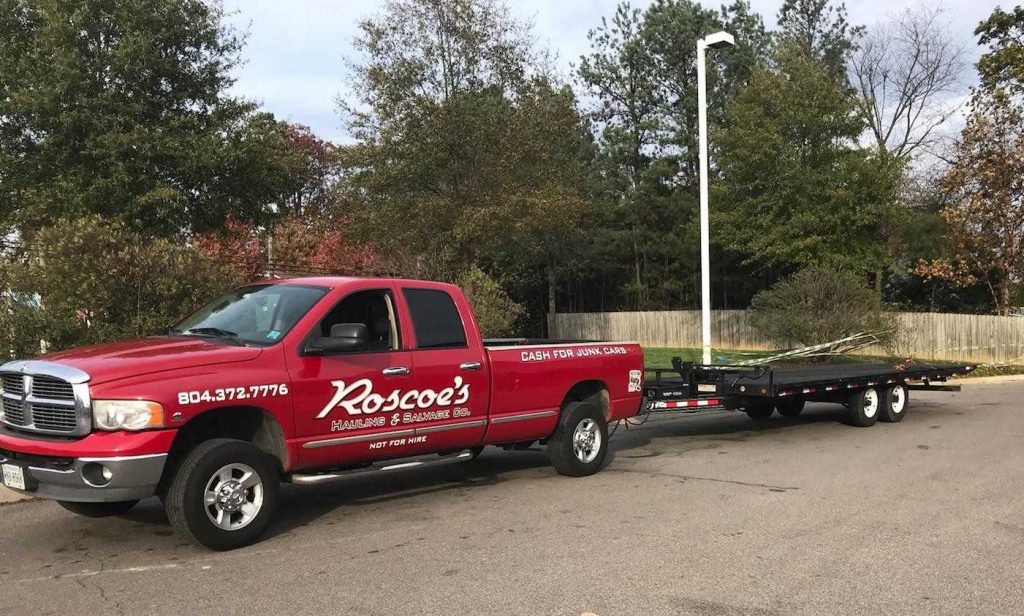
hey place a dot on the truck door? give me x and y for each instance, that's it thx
(346, 403)
(451, 372)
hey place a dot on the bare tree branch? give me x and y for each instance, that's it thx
(907, 74)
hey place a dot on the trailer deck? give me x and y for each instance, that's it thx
(759, 390)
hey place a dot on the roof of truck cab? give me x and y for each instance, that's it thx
(337, 281)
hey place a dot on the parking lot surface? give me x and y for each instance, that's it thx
(708, 515)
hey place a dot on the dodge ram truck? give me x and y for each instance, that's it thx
(300, 380)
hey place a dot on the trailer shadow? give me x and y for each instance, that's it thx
(707, 430)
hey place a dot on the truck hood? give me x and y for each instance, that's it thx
(110, 362)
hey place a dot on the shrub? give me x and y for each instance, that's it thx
(92, 280)
(817, 305)
(496, 312)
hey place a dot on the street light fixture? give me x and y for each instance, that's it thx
(717, 40)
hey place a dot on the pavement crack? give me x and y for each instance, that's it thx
(749, 484)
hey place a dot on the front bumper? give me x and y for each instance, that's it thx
(58, 469)
(83, 480)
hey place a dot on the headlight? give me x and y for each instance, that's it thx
(127, 414)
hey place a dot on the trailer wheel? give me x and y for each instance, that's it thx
(580, 441)
(894, 403)
(790, 407)
(760, 410)
(223, 495)
(864, 407)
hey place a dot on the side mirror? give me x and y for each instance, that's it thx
(344, 338)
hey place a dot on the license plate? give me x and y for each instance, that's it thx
(14, 477)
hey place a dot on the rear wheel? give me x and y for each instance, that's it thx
(894, 403)
(790, 407)
(760, 410)
(580, 442)
(864, 407)
(223, 494)
(99, 510)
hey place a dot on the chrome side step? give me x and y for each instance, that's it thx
(386, 466)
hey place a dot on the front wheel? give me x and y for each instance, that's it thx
(580, 441)
(99, 510)
(223, 494)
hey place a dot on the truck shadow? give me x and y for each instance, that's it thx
(305, 505)
(331, 502)
(301, 506)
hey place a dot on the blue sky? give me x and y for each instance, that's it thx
(296, 49)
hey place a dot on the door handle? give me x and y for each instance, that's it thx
(470, 365)
(395, 371)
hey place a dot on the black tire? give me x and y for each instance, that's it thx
(99, 510)
(865, 407)
(894, 403)
(760, 410)
(593, 430)
(201, 469)
(790, 406)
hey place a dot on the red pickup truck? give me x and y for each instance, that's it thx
(301, 380)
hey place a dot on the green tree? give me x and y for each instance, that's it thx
(496, 312)
(819, 304)
(821, 30)
(642, 71)
(622, 73)
(120, 108)
(93, 280)
(468, 149)
(796, 188)
(1002, 66)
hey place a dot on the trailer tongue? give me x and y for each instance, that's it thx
(870, 391)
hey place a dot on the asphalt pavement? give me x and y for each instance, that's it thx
(702, 515)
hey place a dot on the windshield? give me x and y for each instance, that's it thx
(257, 314)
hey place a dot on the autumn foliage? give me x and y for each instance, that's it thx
(294, 246)
(985, 218)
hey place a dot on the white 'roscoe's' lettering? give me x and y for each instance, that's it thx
(358, 398)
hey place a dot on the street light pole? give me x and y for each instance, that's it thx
(714, 41)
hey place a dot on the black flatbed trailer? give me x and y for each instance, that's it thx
(872, 392)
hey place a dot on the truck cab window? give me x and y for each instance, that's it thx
(258, 314)
(435, 319)
(375, 309)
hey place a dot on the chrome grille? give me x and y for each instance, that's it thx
(14, 414)
(45, 397)
(52, 388)
(53, 417)
(13, 383)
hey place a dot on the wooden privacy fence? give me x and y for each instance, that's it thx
(923, 335)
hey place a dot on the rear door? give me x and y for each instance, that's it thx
(450, 366)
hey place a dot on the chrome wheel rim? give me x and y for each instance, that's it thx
(870, 403)
(233, 497)
(586, 441)
(898, 399)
